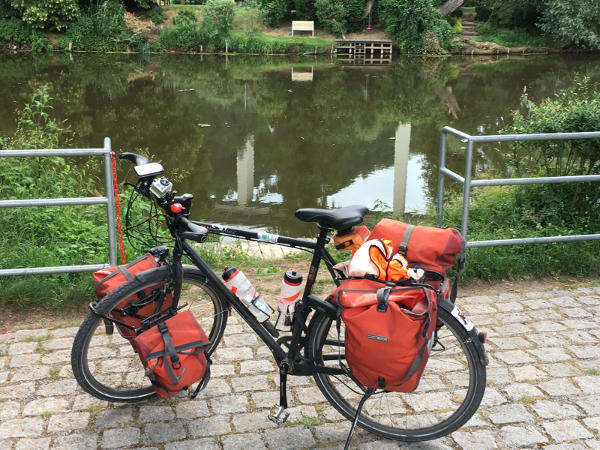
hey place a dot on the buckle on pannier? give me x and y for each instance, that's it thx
(382, 298)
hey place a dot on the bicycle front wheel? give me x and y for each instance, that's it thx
(105, 364)
(449, 393)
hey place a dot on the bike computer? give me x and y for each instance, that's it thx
(149, 170)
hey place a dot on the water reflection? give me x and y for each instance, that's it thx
(256, 138)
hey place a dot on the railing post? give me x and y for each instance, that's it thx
(110, 207)
(464, 225)
(440, 199)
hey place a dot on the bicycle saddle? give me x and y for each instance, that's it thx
(337, 219)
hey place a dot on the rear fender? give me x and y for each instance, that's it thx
(466, 323)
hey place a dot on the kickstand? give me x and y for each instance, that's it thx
(368, 393)
(280, 415)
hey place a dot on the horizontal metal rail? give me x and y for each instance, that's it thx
(107, 200)
(469, 183)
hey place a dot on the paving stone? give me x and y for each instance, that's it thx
(578, 324)
(222, 370)
(309, 395)
(210, 426)
(514, 357)
(196, 444)
(22, 335)
(57, 357)
(509, 413)
(17, 391)
(24, 360)
(548, 325)
(507, 296)
(247, 441)
(492, 397)
(75, 442)
(499, 376)
(68, 422)
(481, 439)
(589, 403)
(45, 405)
(593, 423)
(254, 383)
(120, 437)
(517, 391)
(86, 401)
(9, 410)
(510, 343)
(36, 372)
(152, 413)
(241, 340)
(550, 354)
(541, 314)
(300, 413)
(537, 304)
(528, 373)
(192, 409)
(233, 354)
(252, 367)
(21, 348)
(229, 404)
(289, 438)
(62, 387)
(17, 428)
(265, 399)
(214, 388)
(254, 421)
(510, 329)
(558, 387)
(114, 417)
(33, 444)
(585, 352)
(566, 430)
(589, 384)
(554, 410)
(558, 370)
(64, 332)
(574, 312)
(163, 432)
(332, 432)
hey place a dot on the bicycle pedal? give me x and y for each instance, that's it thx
(279, 415)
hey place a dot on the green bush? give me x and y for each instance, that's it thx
(15, 31)
(410, 21)
(248, 20)
(156, 15)
(273, 11)
(101, 28)
(185, 16)
(55, 14)
(332, 15)
(576, 22)
(220, 13)
(487, 32)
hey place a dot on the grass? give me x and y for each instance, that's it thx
(308, 421)
(38, 338)
(511, 37)
(592, 372)
(53, 373)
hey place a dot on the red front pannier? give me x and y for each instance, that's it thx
(389, 332)
(429, 247)
(173, 354)
(136, 308)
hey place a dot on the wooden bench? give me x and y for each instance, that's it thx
(303, 25)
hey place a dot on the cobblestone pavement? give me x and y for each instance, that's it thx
(543, 390)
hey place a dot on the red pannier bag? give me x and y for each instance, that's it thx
(389, 332)
(173, 354)
(138, 307)
(430, 247)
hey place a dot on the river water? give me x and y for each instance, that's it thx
(256, 138)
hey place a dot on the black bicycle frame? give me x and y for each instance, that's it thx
(304, 306)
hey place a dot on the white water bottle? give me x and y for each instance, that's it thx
(240, 285)
(290, 294)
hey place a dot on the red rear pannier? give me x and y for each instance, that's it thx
(173, 354)
(389, 332)
(136, 308)
(432, 248)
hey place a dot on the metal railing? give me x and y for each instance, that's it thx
(469, 183)
(108, 200)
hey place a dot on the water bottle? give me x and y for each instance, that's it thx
(290, 294)
(240, 285)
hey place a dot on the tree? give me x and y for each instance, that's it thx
(41, 13)
(451, 6)
(576, 22)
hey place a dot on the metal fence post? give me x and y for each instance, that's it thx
(442, 164)
(110, 207)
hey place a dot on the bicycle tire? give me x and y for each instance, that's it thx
(106, 366)
(442, 403)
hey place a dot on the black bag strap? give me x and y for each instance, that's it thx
(404, 244)
(382, 298)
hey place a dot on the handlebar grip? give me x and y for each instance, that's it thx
(136, 159)
(196, 233)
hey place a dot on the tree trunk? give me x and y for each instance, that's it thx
(450, 6)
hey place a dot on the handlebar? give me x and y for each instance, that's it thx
(136, 159)
(196, 233)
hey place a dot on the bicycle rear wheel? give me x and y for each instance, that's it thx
(449, 393)
(105, 364)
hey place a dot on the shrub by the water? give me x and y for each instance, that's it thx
(17, 32)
